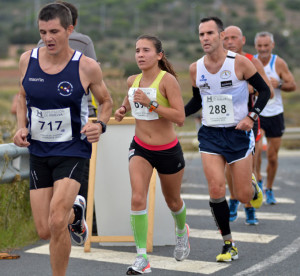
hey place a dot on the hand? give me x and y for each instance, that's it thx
(20, 138)
(245, 124)
(140, 97)
(92, 132)
(275, 83)
(120, 114)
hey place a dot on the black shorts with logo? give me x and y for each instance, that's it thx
(44, 171)
(168, 161)
(273, 126)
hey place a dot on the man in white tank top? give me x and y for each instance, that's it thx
(234, 40)
(219, 81)
(272, 120)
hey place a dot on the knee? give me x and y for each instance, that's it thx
(273, 159)
(44, 233)
(138, 201)
(244, 196)
(57, 224)
(174, 204)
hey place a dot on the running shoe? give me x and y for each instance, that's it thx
(79, 229)
(140, 266)
(270, 199)
(182, 247)
(260, 184)
(229, 253)
(257, 200)
(233, 209)
(250, 216)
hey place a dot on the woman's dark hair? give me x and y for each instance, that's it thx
(163, 64)
(56, 10)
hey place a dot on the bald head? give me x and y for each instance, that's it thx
(234, 39)
(234, 29)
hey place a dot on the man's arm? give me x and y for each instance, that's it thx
(247, 71)
(91, 75)
(20, 138)
(195, 103)
(288, 83)
(260, 69)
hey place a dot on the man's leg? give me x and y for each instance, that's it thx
(258, 158)
(241, 172)
(40, 205)
(233, 203)
(61, 214)
(272, 154)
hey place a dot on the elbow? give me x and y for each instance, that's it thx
(180, 120)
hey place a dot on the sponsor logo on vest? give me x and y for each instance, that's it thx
(226, 83)
(203, 78)
(225, 74)
(36, 79)
(65, 88)
(204, 86)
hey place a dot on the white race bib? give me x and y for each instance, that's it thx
(139, 111)
(218, 109)
(51, 125)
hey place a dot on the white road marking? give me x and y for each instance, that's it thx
(193, 185)
(241, 214)
(237, 236)
(290, 183)
(195, 197)
(276, 258)
(206, 197)
(160, 262)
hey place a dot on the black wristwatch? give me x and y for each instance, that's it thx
(253, 116)
(103, 125)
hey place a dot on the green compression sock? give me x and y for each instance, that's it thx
(139, 225)
(180, 219)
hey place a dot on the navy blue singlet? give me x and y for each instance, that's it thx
(57, 110)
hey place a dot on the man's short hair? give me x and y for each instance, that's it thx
(264, 34)
(73, 10)
(217, 20)
(56, 10)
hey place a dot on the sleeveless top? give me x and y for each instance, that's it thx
(141, 112)
(251, 96)
(224, 96)
(274, 105)
(57, 109)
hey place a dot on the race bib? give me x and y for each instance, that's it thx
(218, 109)
(139, 111)
(51, 125)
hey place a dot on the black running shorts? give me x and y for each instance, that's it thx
(273, 126)
(168, 161)
(44, 171)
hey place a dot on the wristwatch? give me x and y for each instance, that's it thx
(102, 124)
(153, 105)
(253, 116)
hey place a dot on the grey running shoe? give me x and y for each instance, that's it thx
(182, 247)
(140, 266)
(79, 229)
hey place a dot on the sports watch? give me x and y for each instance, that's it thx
(153, 105)
(102, 124)
(253, 116)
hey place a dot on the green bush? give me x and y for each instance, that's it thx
(16, 223)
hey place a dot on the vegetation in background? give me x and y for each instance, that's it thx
(16, 223)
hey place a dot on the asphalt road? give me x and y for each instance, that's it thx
(270, 248)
